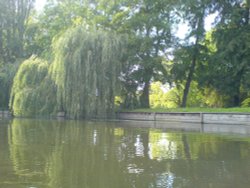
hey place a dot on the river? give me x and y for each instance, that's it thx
(98, 154)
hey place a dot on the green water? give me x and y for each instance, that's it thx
(80, 154)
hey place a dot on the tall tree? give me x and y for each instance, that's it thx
(149, 25)
(55, 19)
(86, 71)
(14, 15)
(194, 13)
(82, 81)
(229, 67)
(13, 21)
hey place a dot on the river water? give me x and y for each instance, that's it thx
(85, 154)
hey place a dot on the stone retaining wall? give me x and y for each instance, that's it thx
(184, 117)
(226, 118)
(220, 118)
(4, 114)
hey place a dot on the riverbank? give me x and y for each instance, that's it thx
(194, 110)
(5, 114)
(194, 117)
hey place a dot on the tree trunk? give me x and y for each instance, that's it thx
(194, 60)
(247, 15)
(237, 94)
(236, 101)
(188, 82)
(1, 42)
(144, 99)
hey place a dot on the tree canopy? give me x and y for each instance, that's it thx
(82, 80)
(33, 92)
(86, 70)
(95, 51)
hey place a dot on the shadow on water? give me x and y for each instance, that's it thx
(82, 154)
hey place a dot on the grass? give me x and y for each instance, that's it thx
(210, 110)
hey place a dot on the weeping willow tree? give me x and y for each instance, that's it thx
(82, 81)
(86, 69)
(33, 92)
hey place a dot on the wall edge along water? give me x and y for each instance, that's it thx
(192, 117)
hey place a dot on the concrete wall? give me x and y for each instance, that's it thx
(4, 114)
(226, 118)
(219, 118)
(184, 117)
(146, 116)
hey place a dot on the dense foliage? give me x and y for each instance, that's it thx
(86, 70)
(14, 17)
(82, 81)
(207, 67)
(33, 92)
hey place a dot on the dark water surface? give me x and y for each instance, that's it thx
(81, 154)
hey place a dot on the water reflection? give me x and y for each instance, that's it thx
(63, 154)
(162, 146)
(139, 148)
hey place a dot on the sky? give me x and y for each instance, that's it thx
(183, 28)
(40, 4)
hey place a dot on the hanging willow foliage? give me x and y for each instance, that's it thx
(86, 70)
(82, 81)
(33, 92)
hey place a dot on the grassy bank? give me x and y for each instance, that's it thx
(210, 110)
